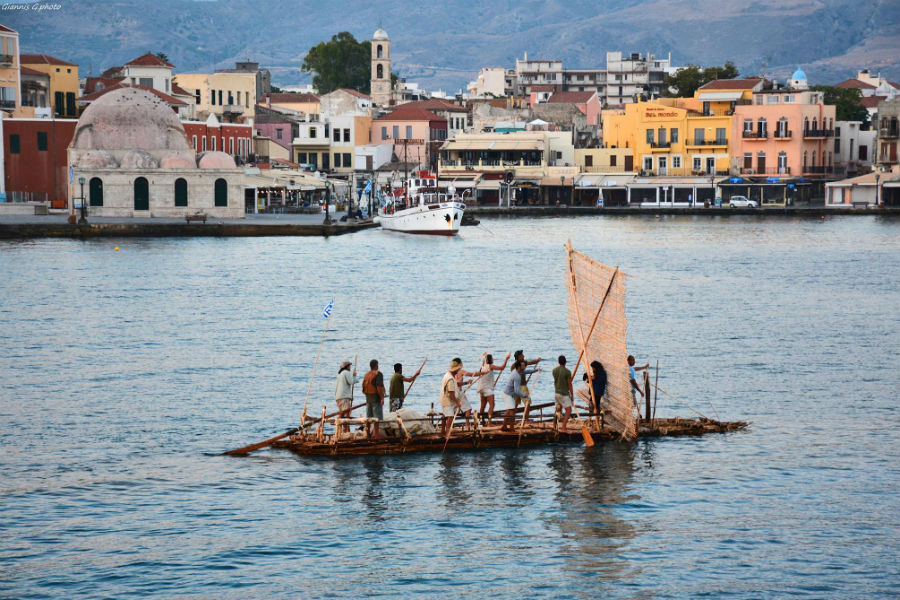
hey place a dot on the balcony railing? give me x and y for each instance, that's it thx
(755, 135)
(784, 135)
(766, 171)
(696, 142)
(233, 109)
(818, 170)
(660, 144)
(888, 132)
(818, 133)
(7, 103)
(6, 59)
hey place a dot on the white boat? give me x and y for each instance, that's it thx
(420, 207)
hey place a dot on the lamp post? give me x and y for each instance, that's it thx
(562, 184)
(83, 219)
(877, 177)
(327, 220)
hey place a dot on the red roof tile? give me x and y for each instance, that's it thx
(150, 60)
(7, 29)
(405, 113)
(542, 88)
(177, 89)
(288, 98)
(855, 84)
(26, 71)
(871, 101)
(43, 59)
(356, 93)
(434, 104)
(571, 97)
(732, 84)
(894, 85)
(92, 84)
(171, 101)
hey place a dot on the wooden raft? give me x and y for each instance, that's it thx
(534, 433)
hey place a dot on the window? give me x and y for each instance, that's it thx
(71, 110)
(195, 142)
(167, 85)
(698, 136)
(327, 130)
(588, 160)
(212, 144)
(384, 134)
(14, 145)
(141, 194)
(748, 160)
(347, 160)
(278, 133)
(409, 132)
(59, 101)
(788, 99)
(95, 191)
(42, 141)
(221, 192)
(648, 163)
(346, 135)
(220, 97)
(863, 152)
(748, 124)
(396, 132)
(379, 72)
(673, 134)
(337, 160)
(676, 162)
(379, 51)
(720, 136)
(212, 97)
(204, 143)
(146, 82)
(301, 157)
(661, 136)
(181, 192)
(230, 97)
(612, 160)
(230, 145)
(698, 164)
(312, 132)
(197, 96)
(837, 145)
(782, 162)
(650, 136)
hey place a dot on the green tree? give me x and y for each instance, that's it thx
(163, 56)
(689, 79)
(341, 62)
(847, 103)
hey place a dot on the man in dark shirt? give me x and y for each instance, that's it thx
(373, 388)
(396, 391)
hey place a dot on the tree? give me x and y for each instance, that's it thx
(847, 103)
(340, 63)
(163, 56)
(689, 79)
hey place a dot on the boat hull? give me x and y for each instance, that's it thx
(428, 219)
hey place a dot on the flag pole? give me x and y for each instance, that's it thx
(318, 350)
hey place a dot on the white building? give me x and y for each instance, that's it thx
(854, 148)
(491, 81)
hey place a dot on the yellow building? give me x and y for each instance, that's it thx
(308, 104)
(231, 96)
(9, 70)
(681, 136)
(604, 160)
(63, 81)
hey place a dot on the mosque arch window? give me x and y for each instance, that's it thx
(379, 72)
(221, 192)
(141, 194)
(181, 192)
(95, 191)
(380, 51)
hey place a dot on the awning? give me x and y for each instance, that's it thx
(489, 184)
(494, 144)
(600, 180)
(556, 181)
(720, 96)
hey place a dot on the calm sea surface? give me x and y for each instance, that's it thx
(122, 372)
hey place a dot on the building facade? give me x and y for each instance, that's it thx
(380, 85)
(10, 100)
(63, 82)
(888, 133)
(231, 96)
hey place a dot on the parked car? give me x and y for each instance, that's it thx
(742, 202)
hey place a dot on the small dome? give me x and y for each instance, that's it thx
(178, 160)
(98, 159)
(216, 160)
(380, 35)
(139, 159)
(798, 74)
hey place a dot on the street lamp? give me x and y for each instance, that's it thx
(327, 220)
(83, 219)
(877, 177)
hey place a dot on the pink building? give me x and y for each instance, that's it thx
(586, 102)
(784, 132)
(415, 133)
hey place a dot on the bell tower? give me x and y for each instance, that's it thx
(381, 68)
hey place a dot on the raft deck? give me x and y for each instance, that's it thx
(534, 433)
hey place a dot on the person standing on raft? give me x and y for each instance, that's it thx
(514, 393)
(449, 396)
(343, 392)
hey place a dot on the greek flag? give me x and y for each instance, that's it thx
(326, 312)
(368, 187)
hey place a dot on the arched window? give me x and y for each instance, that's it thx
(782, 163)
(221, 191)
(96, 191)
(805, 159)
(379, 51)
(782, 127)
(141, 194)
(813, 158)
(379, 72)
(805, 124)
(181, 192)
(815, 124)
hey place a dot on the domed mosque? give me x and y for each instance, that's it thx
(135, 157)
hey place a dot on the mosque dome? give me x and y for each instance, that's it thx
(129, 119)
(380, 35)
(798, 74)
(98, 159)
(178, 160)
(216, 160)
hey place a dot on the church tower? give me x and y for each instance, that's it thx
(381, 68)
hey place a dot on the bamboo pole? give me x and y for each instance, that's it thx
(316, 362)
(655, 391)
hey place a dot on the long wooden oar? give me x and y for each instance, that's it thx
(525, 412)
(455, 413)
(416, 376)
(270, 441)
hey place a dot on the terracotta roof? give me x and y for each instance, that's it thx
(26, 71)
(571, 97)
(542, 88)
(43, 59)
(434, 104)
(92, 84)
(356, 93)
(7, 29)
(171, 101)
(177, 89)
(113, 73)
(405, 113)
(288, 97)
(894, 85)
(150, 60)
(732, 84)
(855, 84)
(871, 101)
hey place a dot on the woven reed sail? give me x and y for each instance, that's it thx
(592, 285)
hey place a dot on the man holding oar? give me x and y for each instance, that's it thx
(395, 390)
(450, 403)
(373, 388)
(562, 386)
(514, 393)
(343, 392)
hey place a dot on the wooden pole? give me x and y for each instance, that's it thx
(646, 395)
(318, 350)
(414, 380)
(656, 390)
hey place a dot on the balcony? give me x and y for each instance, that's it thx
(8, 104)
(660, 145)
(704, 143)
(818, 133)
(886, 133)
(6, 59)
(767, 171)
(755, 135)
(784, 135)
(818, 170)
(232, 109)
